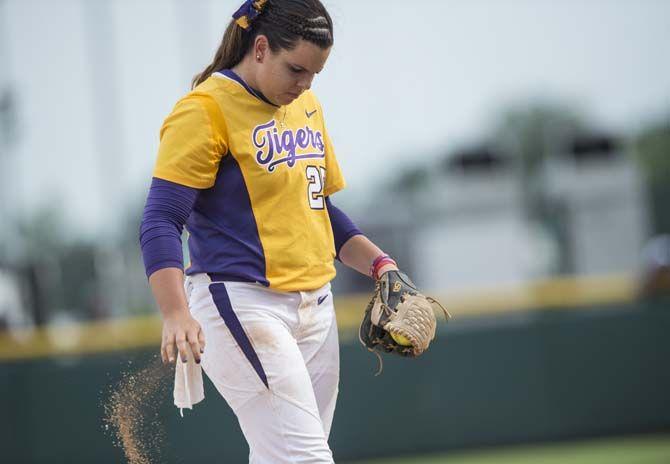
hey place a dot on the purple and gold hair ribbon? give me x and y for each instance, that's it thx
(246, 14)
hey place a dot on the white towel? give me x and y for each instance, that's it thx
(188, 387)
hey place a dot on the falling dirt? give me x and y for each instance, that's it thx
(132, 411)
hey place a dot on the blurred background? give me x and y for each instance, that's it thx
(513, 156)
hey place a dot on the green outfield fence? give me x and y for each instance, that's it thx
(521, 377)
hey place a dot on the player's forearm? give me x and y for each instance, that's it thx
(359, 252)
(167, 208)
(352, 247)
(167, 285)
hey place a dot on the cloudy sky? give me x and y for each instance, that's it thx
(406, 80)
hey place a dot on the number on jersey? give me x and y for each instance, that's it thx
(317, 179)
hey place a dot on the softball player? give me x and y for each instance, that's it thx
(246, 164)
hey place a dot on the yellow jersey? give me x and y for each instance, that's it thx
(263, 172)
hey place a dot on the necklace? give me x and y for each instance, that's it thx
(282, 123)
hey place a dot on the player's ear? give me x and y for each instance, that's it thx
(261, 47)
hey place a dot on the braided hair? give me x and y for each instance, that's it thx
(283, 22)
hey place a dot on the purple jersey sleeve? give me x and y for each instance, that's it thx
(343, 227)
(165, 213)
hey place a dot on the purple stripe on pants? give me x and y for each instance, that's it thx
(222, 302)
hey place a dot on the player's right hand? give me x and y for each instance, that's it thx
(182, 332)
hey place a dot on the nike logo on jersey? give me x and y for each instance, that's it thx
(321, 299)
(309, 115)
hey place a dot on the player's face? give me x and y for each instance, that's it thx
(288, 73)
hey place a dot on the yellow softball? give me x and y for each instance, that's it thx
(401, 340)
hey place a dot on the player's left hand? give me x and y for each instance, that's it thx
(399, 319)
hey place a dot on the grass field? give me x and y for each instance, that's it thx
(654, 449)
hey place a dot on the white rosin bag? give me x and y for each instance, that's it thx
(188, 386)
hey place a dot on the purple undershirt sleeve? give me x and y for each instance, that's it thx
(167, 208)
(343, 227)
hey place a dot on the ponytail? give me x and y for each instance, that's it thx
(233, 47)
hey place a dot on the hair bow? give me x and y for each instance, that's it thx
(249, 10)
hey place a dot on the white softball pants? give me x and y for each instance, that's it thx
(274, 357)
